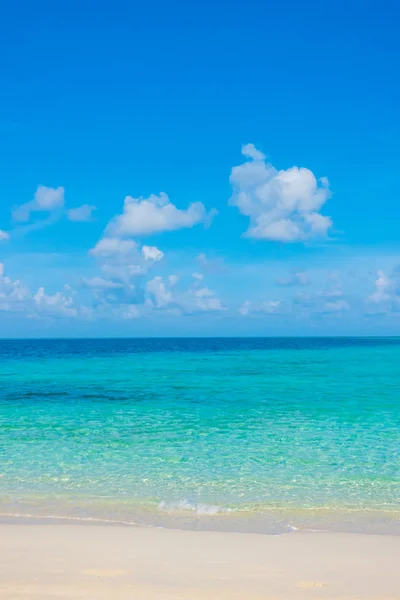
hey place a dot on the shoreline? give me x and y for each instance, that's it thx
(267, 520)
(101, 562)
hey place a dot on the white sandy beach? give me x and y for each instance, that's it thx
(120, 563)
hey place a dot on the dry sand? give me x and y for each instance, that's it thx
(45, 562)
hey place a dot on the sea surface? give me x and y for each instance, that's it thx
(262, 434)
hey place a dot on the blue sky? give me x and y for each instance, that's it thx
(199, 168)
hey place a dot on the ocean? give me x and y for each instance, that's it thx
(260, 434)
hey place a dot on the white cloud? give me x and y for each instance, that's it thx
(155, 214)
(173, 280)
(282, 205)
(109, 247)
(323, 302)
(158, 294)
(58, 304)
(202, 292)
(14, 295)
(383, 288)
(245, 308)
(123, 271)
(299, 278)
(385, 299)
(335, 306)
(4, 236)
(122, 260)
(82, 213)
(269, 308)
(250, 151)
(197, 298)
(123, 256)
(100, 283)
(127, 312)
(200, 298)
(46, 199)
(208, 303)
(151, 253)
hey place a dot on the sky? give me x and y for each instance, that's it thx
(199, 168)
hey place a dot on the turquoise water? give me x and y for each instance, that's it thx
(259, 434)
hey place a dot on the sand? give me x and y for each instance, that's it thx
(50, 561)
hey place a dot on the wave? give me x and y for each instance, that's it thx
(199, 508)
(94, 520)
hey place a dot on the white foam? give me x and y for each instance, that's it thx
(66, 518)
(198, 508)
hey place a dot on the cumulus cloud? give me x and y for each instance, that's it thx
(99, 283)
(298, 278)
(335, 306)
(204, 300)
(385, 299)
(122, 260)
(197, 298)
(82, 213)
(209, 304)
(124, 270)
(324, 302)
(4, 236)
(58, 304)
(198, 276)
(121, 263)
(46, 199)
(271, 306)
(112, 296)
(151, 253)
(268, 308)
(109, 247)
(111, 300)
(245, 308)
(250, 151)
(14, 295)
(200, 298)
(384, 288)
(155, 214)
(127, 312)
(173, 280)
(158, 293)
(282, 205)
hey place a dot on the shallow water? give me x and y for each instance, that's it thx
(253, 434)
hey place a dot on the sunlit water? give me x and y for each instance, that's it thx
(253, 434)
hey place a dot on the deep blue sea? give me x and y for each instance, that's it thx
(244, 434)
